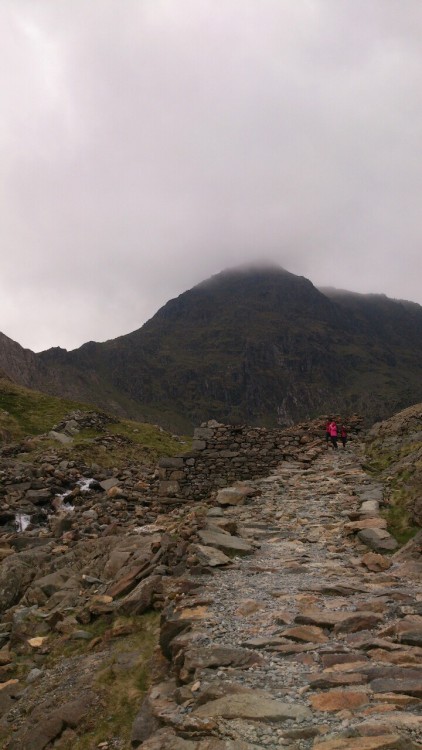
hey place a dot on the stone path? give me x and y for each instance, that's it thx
(311, 642)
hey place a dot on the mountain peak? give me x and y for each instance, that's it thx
(253, 343)
(252, 270)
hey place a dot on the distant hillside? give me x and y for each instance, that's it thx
(261, 346)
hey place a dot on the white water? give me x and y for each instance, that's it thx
(22, 521)
(85, 485)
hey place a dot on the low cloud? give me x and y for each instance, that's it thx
(146, 146)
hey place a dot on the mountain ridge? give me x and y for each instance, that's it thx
(258, 345)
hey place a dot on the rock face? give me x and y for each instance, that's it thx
(17, 363)
(245, 345)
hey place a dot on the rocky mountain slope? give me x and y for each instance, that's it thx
(275, 614)
(261, 346)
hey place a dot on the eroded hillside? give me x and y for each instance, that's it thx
(394, 452)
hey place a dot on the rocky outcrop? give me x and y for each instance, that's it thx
(17, 363)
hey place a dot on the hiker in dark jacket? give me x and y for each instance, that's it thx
(343, 435)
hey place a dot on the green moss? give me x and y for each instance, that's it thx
(397, 465)
(150, 437)
(122, 690)
(399, 520)
(141, 443)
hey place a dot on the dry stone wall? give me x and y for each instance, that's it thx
(222, 454)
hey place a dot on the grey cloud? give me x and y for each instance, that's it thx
(147, 145)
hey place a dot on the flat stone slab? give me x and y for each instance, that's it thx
(258, 705)
(307, 633)
(380, 742)
(393, 672)
(210, 556)
(337, 700)
(313, 616)
(358, 621)
(338, 589)
(408, 655)
(373, 493)
(406, 686)
(337, 679)
(411, 637)
(225, 542)
(140, 599)
(263, 642)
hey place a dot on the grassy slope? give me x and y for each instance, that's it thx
(397, 460)
(24, 413)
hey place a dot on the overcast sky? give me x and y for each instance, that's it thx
(148, 144)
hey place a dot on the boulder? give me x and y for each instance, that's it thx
(377, 539)
(232, 495)
(107, 484)
(16, 574)
(376, 562)
(62, 578)
(140, 599)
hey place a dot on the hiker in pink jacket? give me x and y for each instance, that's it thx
(333, 434)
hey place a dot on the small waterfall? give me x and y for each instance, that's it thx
(22, 521)
(59, 501)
